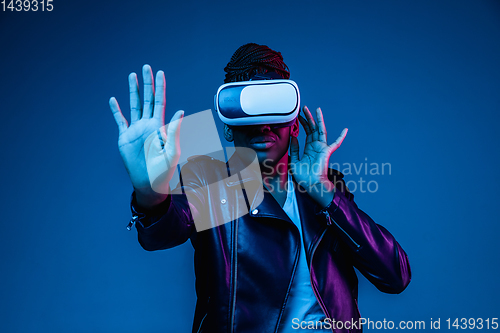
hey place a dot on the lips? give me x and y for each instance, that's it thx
(262, 139)
(262, 142)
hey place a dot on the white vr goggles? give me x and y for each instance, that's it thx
(258, 102)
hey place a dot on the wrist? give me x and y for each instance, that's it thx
(149, 199)
(322, 193)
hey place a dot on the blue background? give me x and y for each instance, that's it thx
(416, 82)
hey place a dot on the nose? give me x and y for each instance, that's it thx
(262, 128)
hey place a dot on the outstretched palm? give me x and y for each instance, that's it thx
(147, 123)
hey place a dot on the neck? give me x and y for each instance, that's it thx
(275, 176)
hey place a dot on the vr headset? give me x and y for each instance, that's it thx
(262, 100)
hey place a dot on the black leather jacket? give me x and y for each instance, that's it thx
(244, 269)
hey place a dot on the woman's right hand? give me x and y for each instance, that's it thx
(150, 153)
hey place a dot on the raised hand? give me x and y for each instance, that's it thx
(147, 121)
(311, 172)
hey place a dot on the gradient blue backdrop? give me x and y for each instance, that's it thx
(416, 82)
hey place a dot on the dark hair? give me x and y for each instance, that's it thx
(251, 59)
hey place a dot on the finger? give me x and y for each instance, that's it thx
(159, 108)
(147, 76)
(312, 123)
(294, 150)
(304, 124)
(117, 113)
(321, 125)
(333, 147)
(135, 100)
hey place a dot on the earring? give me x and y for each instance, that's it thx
(228, 133)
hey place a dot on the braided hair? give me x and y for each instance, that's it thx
(251, 59)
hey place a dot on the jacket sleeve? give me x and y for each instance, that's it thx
(377, 254)
(171, 223)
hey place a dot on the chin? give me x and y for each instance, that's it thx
(269, 158)
(263, 157)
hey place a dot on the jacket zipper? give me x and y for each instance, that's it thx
(289, 284)
(316, 293)
(315, 290)
(201, 323)
(329, 222)
(132, 222)
(234, 263)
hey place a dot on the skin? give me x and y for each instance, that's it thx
(270, 144)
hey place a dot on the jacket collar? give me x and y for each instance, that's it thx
(269, 207)
(250, 176)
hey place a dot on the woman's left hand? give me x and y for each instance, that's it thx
(311, 172)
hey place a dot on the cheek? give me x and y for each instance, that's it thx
(283, 131)
(282, 147)
(238, 139)
(284, 136)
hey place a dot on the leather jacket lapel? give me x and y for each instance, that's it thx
(311, 225)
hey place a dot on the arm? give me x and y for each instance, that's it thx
(174, 221)
(376, 253)
(169, 224)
